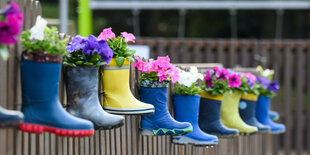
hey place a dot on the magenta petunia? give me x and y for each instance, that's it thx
(139, 64)
(9, 30)
(222, 74)
(129, 37)
(106, 34)
(208, 81)
(234, 81)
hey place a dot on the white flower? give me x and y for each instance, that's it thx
(37, 31)
(189, 78)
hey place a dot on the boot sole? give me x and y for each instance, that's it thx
(39, 129)
(277, 132)
(247, 133)
(11, 124)
(184, 140)
(150, 132)
(129, 111)
(109, 127)
(227, 136)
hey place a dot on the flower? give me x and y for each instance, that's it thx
(264, 81)
(9, 30)
(249, 76)
(129, 37)
(208, 81)
(234, 81)
(185, 78)
(13, 11)
(91, 45)
(173, 73)
(274, 86)
(106, 34)
(163, 62)
(139, 64)
(221, 73)
(209, 72)
(162, 75)
(37, 31)
(77, 43)
(194, 72)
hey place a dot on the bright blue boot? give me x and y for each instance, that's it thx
(41, 106)
(262, 115)
(274, 115)
(160, 122)
(209, 118)
(10, 118)
(247, 111)
(186, 109)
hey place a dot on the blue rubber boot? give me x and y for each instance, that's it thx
(41, 106)
(247, 111)
(262, 115)
(274, 115)
(160, 122)
(10, 118)
(209, 118)
(186, 109)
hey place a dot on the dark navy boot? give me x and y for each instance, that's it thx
(10, 118)
(262, 115)
(209, 118)
(274, 115)
(160, 122)
(41, 106)
(82, 97)
(186, 109)
(247, 111)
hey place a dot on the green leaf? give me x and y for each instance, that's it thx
(131, 58)
(120, 61)
(4, 52)
(101, 63)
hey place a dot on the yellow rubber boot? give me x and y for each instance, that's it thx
(118, 98)
(230, 114)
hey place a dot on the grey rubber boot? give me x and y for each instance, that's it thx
(82, 97)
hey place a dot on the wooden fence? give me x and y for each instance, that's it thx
(288, 57)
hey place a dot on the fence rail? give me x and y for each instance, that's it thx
(288, 57)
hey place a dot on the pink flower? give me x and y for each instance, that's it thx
(234, 81)
(9, 30)
(163, 62)
(250, 77)
(162, 76)
(129, 37)
(209, 72)
(106, 34)
(221, 73)
(208, 81)
(139, 64)
(174, 74)
(13, 10)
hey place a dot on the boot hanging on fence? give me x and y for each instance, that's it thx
(41, 106)
(209, 116)
(10, 118)
(262, 115)
(82, 97)
(161, 122)
(186, 109)
(118, 98)
(230, 114)
(247, 109)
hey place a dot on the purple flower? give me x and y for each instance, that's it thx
(9, 30)
(274, 86)
(77, 43)
(91, 45)
(250, 83)
(208, 81)
(234, 81)
(265, 82)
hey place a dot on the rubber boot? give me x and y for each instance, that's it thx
(82, 97)
(230, 114)
(40, 102)
(247, 111)
(186, 109)
(118, 97)
(10, 118)
(161, 122)
(209, 116)
(274, 115)
(262, 115)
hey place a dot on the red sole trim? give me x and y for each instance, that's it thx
(34, 128)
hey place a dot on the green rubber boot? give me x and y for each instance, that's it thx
(230, 114)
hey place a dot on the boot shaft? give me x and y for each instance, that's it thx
(158, 97)
(209, 110)
(40, 81)
(186, 108)
(230, 102)
(262, 106)
(247, 108)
